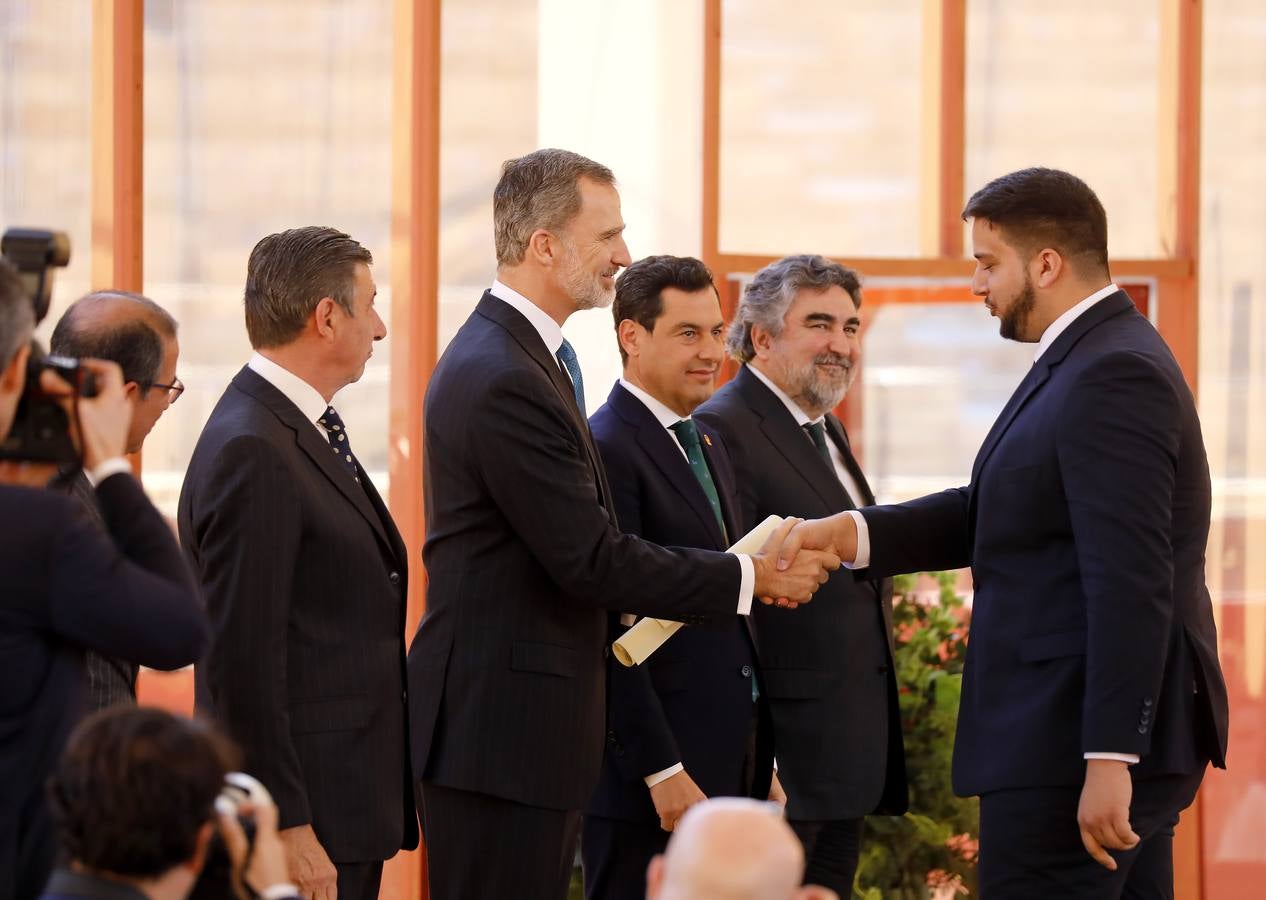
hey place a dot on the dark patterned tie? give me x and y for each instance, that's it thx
(688, 435)
(567, 356)
(817, 434)
(336, 434)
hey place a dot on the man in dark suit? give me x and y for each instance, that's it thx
(303, 571)
(69, 587)
(139, 335)
(524, 554)
(683, 725)
(1092, 697)
(829, 673)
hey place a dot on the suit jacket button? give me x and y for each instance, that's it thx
(746, 671)
(611, 738)
(404, 696)
(1147, 701)
(1142, 729)
(394, 577)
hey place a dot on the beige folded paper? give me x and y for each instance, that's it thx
(637, 644)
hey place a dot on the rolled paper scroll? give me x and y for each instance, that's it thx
(637, 644)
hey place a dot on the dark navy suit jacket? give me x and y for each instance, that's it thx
(68, 587)
(692, 701)
(1085, 525)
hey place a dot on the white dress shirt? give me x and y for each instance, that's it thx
(1052, 332)
(303, 395)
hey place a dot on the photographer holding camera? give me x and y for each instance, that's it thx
(68, 587)
(140, 804)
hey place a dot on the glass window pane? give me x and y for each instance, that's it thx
(488, 113)
(935, 376)
(259, 116)
(820, 127)
(1074, 86)
(1232, 397)
(46, 131)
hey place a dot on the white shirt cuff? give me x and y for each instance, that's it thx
(280, 891)
(664, 775)
(862, 560)
(110, 467)
(747, 586)
(1130, 758)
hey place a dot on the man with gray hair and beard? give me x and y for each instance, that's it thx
(827, 671)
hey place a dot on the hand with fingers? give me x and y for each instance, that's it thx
(260, 864)
(1103, 814)
(673, 796)
(795, 583)
(310, 867)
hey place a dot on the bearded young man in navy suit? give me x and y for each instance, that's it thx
(1092, 697)
(686, 724)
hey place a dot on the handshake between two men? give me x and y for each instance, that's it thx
(799, 556)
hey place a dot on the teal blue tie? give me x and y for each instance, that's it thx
(567, 356)
(688, 436)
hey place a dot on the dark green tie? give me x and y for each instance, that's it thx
(688, 435)
(817, 434)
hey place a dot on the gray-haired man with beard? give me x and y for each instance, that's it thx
(828, 671)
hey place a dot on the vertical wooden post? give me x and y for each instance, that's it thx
(414, 310)
(118, 112)
(117, 143)
(1178, 316)
(944, 126)
(711, 218)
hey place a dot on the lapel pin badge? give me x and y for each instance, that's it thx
(707, 440)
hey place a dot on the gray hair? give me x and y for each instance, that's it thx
(538, 191)
(17, 314)
(770, 292)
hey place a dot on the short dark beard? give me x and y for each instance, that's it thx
(1017, 314)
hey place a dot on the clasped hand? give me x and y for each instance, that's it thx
(806, 569)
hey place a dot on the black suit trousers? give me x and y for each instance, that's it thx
(1030, 844)
(480, 846)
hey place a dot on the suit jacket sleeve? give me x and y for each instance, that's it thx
(131, 597)
(1118, 444)
(636, 713)
(537, 473)
(247, 533)
(927, 534)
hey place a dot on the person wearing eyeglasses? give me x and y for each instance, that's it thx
(139, 335)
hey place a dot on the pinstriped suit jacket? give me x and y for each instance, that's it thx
(523, 554)
(304, 577)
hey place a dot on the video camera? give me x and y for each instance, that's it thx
(41, 429)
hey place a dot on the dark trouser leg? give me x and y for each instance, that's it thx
(359, 880)
(1030, 845)
(831, 851)
(479, 846)
(616, 855)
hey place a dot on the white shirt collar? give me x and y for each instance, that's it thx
(1056, 328)
(295, 389)
(801, 417)
(661, 412)
(549, 330)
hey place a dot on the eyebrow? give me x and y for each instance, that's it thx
(611, 232)
(682, 326)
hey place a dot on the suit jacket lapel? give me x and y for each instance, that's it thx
(789, 438)
(529, 339)
(309, 441)
(1112, 305)
(723, 476)
(835, 429)
(664, 451)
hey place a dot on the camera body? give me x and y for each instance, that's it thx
(41, 429)
(216, 882)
